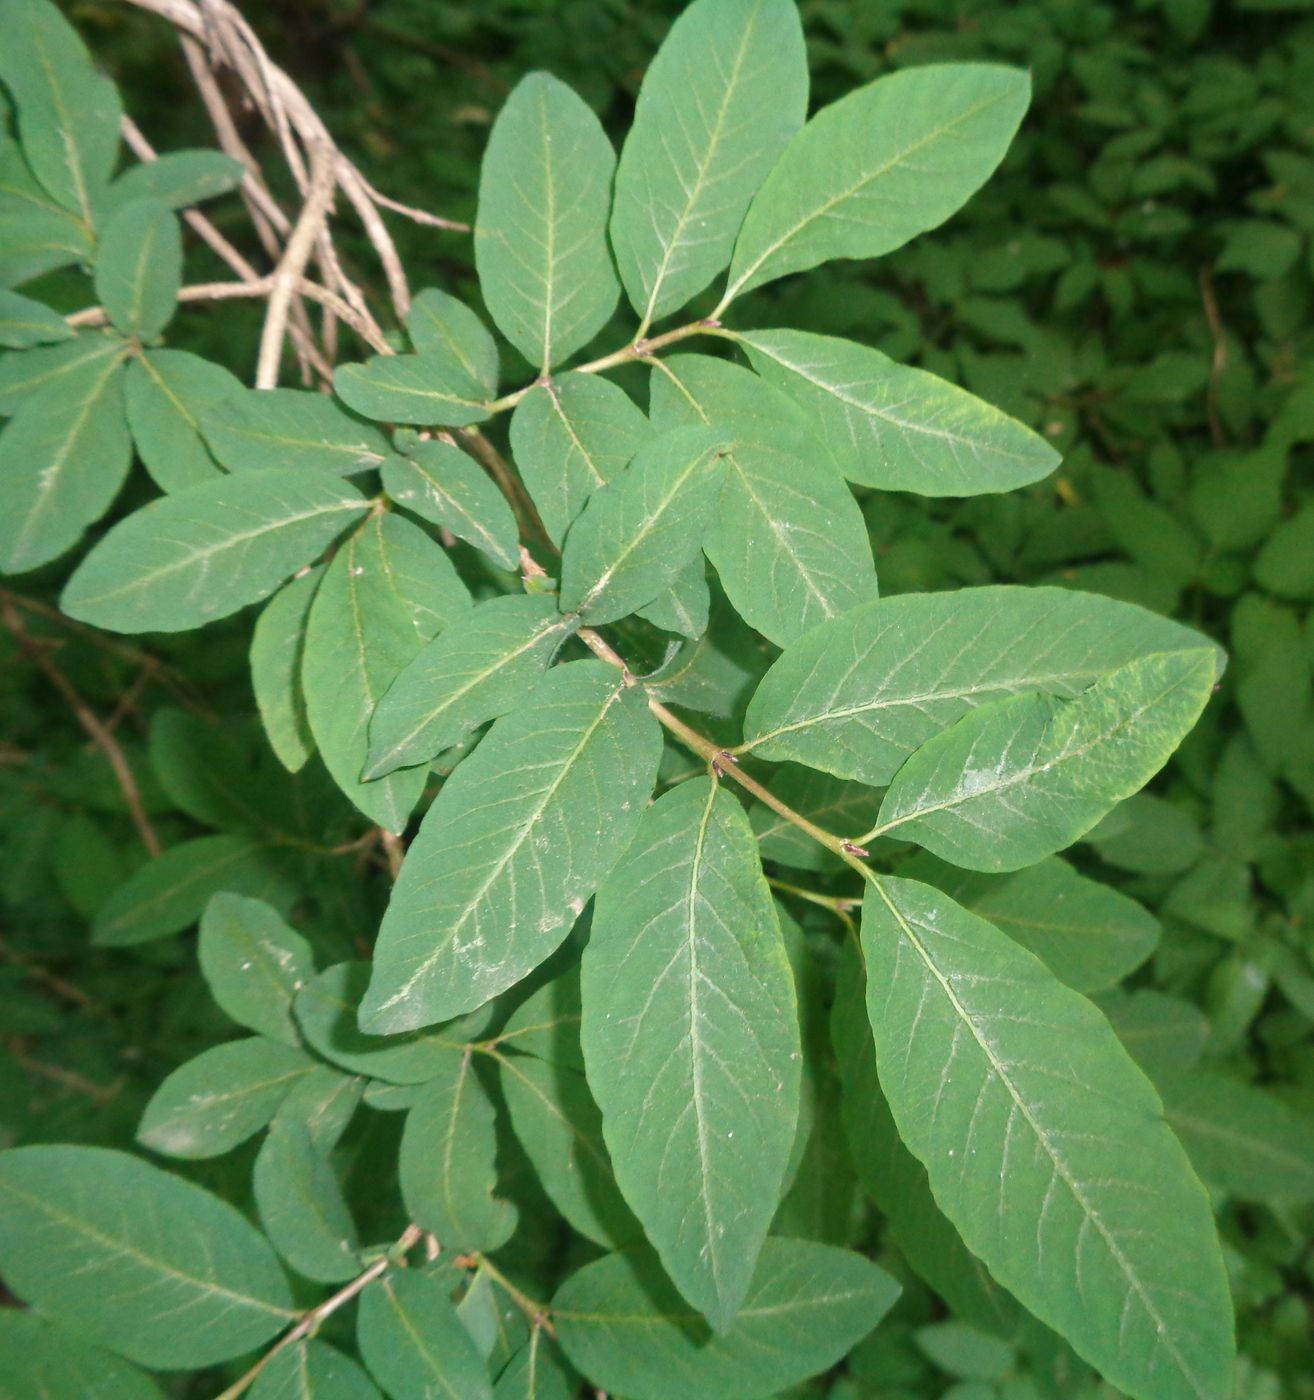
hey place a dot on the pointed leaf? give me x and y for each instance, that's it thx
(139, 267)
(414, 1343)
(569, 436)
(221, 1097)
(41, 1362)
(719, 102)
(270, 429)
(520, 836)
(63, 457)
(441, 325)
(387, 591)
(24, 322)
(560, 1128)
(169, 893)
(178, 179)
(71, 1216)
(541, 229)
(879, 166)
(858, 694)
(446, 1164)
(424, 389)
(788, 540)
(478, 669)
(278, 649)
(627, 1329)
(1015, 780)
(1046, 1146)
(640, 530)
(441, 483)
(68, 114)
(312, 1370)
(254, 964)
(895, 427)
(167, 392)
(207, 551)
(1088, 934)
(301, 1206)
(691, 1039)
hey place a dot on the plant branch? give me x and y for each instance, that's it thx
(310, 1321)
(95, 730)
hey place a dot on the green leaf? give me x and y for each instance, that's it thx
(139, 267)
(479, 668)
(34, 241)
(271, 429)
(24, 322)
(167, 392)
(1248, 1143)
(625, 1327)
(520, 836)
(72, 1217)
(859, 694)
(446, 1165)
(312, 1370)
(895, 427)
(25, 377)
(894, 1178)
(41, 1362)
(389, 589)
(1161, 1033)
(169, 893)
(441, 483)
(254, 964)
(221, 1097)
(177, 179)
(719, 102)
(423, 388)
(278, 647)
(788, 540)
(414, 1343)
(301, 1206)
(1283, 565)
(1088, 934)
(640, 530)
(68, 114)
(560, 1128)
(63, 457)
(322, 1103)
(541, 230)
(1045, 1145)
(546, 1023)
(878, 167)
(963, 1351)
(326, 1009)
(686, 606)
(568, 437)
(207, 551)
(690, 1035)
(441, 325)
(532, 1374)
(1016, 779)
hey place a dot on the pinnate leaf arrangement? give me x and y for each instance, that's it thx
(585, 972)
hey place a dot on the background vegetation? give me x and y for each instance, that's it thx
(1135, 283)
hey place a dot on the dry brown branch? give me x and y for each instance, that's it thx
(86, 717)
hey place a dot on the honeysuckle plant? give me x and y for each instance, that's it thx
(720, 878)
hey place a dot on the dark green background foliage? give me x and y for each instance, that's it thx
(1135, 283)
